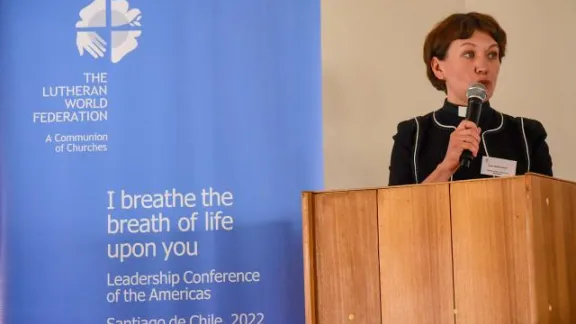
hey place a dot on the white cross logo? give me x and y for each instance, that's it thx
(121, 24)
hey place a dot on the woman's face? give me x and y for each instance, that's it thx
(467, 61)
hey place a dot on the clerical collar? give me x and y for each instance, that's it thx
(452, 114)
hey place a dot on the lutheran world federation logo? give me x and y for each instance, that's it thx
(108, 21)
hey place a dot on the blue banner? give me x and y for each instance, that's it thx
(153, 155)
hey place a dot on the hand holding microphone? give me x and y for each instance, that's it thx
(465, 140)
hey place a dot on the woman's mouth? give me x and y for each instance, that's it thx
(486, 83)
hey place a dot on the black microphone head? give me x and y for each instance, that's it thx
(477, 90)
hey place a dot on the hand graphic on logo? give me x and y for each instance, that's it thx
(92, 43)
(123, 28)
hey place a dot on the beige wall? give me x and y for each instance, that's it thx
(374, 76)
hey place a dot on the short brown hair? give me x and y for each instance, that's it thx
(458, 26)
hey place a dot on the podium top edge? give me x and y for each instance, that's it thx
(524, 176)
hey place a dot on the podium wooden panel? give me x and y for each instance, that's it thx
(415, 255)
(496, 251)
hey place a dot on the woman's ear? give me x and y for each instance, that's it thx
(436, 66)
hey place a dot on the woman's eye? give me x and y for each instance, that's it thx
(469, 54)
(493, 55)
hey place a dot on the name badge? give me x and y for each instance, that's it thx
(492, 166)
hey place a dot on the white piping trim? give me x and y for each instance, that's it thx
(444, 126)
(416, 149)
(525, 143)
(489, 131)
(441, 125)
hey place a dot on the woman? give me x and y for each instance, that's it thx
(459, 51)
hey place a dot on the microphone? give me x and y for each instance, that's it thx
(476, 95)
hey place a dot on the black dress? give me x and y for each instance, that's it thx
(420, 144)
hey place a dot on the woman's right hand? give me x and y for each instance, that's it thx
(465, 137)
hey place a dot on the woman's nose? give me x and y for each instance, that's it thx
(481, 66)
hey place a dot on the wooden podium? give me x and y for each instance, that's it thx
(496, 251)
